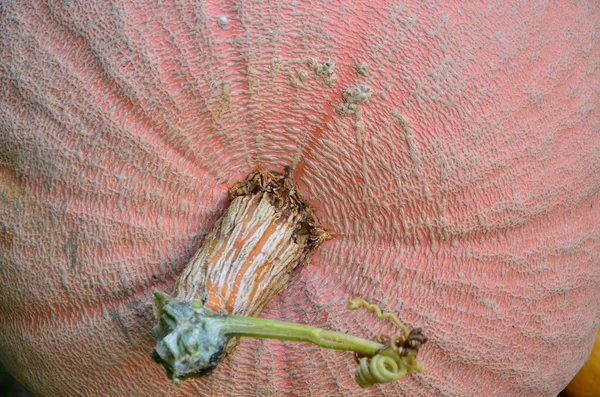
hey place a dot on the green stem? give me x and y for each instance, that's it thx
(191, 340)
(273, 329)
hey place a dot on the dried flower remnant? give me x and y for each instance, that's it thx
(267, 230)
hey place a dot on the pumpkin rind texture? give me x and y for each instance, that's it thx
(451, 149)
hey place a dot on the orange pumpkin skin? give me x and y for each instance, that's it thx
(462, 187)
(587, 381)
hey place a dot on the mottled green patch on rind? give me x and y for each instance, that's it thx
(190, 338)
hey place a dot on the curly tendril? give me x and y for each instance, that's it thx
(395, 358)
(379, 369)
(192, 339)
(357, 303)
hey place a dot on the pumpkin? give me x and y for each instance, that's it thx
(450, 149)
(587, 381)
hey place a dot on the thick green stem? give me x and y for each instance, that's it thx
(273, 329)
(193, 339)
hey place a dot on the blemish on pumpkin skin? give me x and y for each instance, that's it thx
(7, 235)
(224, 104)
(222, 21)
(275, 69)
(251, 79)
(413, 149)
(141, 310)
(71, 249)
(352, 98)
(298, 78)
(325, 69)
(120, 323)
(227, 93)
(10, 169)
(359, 129)
(362, 68)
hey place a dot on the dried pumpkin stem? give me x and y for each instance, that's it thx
(246, 259)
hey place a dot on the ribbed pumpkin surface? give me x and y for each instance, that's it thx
(452, 148)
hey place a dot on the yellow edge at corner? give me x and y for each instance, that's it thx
(587, 381)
